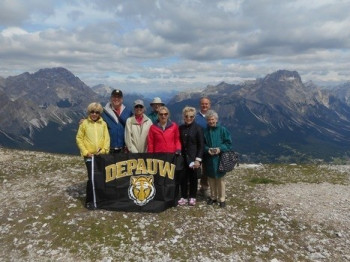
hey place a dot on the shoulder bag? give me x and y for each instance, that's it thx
(228, 161)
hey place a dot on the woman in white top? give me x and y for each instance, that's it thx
(136, 129)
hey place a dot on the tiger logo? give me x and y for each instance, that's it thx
(141, 189)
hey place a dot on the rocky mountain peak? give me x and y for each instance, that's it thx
(283, 76)
(56, 75)
(282, 87)
(20, 78)
(103, 90)
(48, 86)
(54, 71)
(39, 106)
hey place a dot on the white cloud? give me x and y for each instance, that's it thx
(176, 44)
(75, 15)
(18, 12)
(230, 6)
(13, 31)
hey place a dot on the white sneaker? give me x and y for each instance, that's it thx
(192, 202)
(182, 201)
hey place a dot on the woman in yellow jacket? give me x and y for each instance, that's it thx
(92, 139)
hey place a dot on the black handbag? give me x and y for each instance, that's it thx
(198, 172)
(228, 160)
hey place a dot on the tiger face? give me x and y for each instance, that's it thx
(141, 189)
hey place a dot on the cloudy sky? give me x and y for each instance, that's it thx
(144, 45)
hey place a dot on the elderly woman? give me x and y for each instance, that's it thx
(163, 136)
(191, 137)
(92, 139)
(136, 129)
(216, 139)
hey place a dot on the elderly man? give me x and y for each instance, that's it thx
(204, 105)
(200, 119)
(155, 104)
(115, 115)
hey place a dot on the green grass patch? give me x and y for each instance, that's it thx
(262, 180)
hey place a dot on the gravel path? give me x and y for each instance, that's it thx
(315, 203)
(323, 207)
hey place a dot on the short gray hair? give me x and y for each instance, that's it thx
(212, 113)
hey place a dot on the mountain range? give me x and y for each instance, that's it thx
(277, 118)
(40, 110)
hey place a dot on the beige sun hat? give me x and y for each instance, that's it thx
(157, 100)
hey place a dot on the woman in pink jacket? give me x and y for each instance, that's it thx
(164, 136)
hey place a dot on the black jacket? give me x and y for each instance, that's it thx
(192, 142)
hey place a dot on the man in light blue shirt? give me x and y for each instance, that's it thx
(200, 119)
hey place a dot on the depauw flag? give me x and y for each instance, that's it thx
(141, 182)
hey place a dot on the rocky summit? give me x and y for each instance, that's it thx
(273, 213)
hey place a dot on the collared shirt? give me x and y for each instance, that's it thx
(201, 120)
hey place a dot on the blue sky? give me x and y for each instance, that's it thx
(147, 45)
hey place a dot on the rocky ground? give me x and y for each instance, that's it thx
(274, 213)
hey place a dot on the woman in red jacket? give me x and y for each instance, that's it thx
(164, 136)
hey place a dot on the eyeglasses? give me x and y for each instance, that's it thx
(95, 112)
(138, 106)
(163, 114)
(189, 117)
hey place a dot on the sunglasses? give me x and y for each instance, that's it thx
(138, 106)
(95, 112)
(163, 114)
(189, 117)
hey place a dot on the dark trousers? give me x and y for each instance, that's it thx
(204, 181)
(189, 179)
(89, 193)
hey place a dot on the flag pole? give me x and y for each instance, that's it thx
(93, 179)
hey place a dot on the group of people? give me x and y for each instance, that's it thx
(200, 139)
